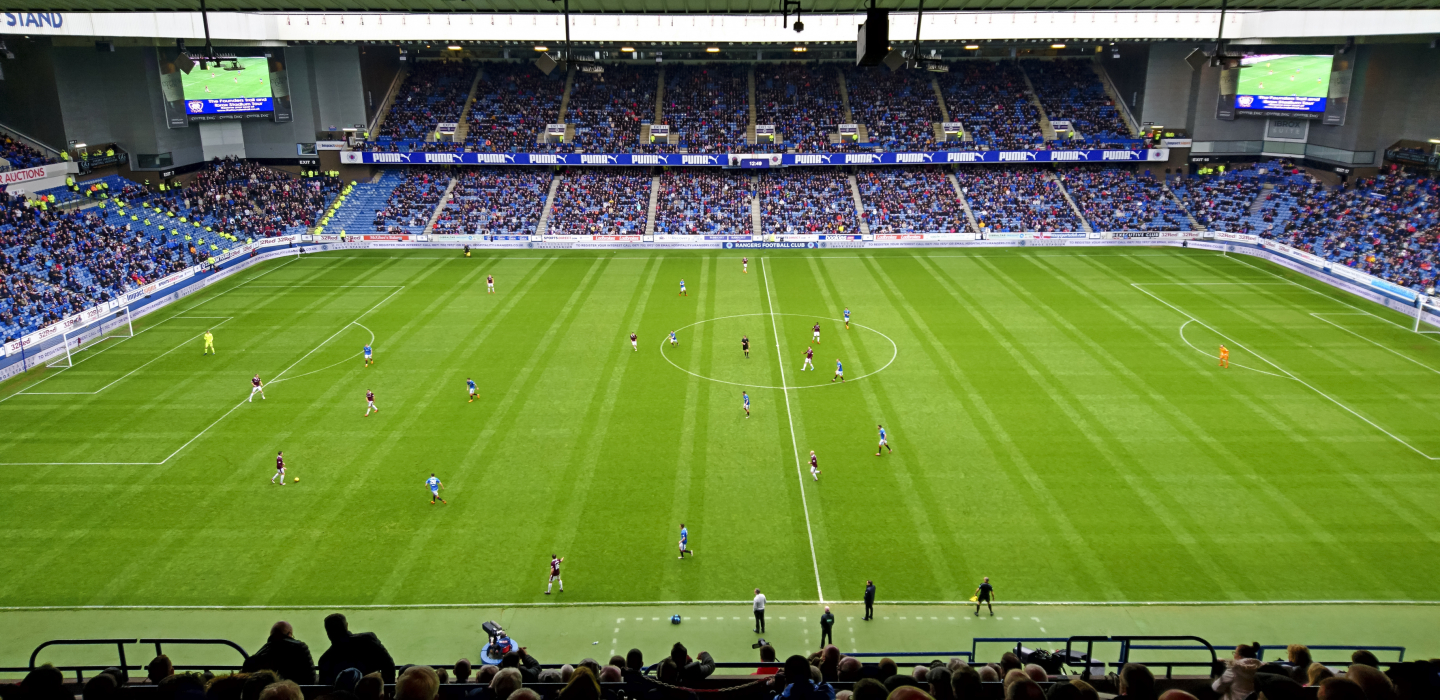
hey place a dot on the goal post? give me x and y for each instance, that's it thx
(119, 325)
(1424, 303)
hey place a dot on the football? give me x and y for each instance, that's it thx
(297, 479)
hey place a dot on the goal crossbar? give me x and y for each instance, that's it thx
(119, 325)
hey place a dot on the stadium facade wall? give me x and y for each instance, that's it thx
(29, 98)
(116, 98)
(50, 342)
(1395, 94)
(1205, 127)
(378, 65)
(1128, 73)
(1170, 86)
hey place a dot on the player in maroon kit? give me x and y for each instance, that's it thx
(635, 342)
(279, 468)
(809, 360)
(256, 388)
(370, 401)
(745, 265)
(814, 466)
(555, 574)
(489, 284)
(817, 331)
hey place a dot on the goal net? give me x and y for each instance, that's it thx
(117, 326)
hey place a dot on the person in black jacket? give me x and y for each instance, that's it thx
(827, 625)
(525, 663)
(869, 600)
(285, 655)
(361, 651)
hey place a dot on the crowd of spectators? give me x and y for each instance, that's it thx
(1017, 198)
(249, 200)
(707, 106)
(1121, 199)
(54, 264)
(807, 200)
(1071, 90)
(909, 200)
(802, 100)
(413, 201)
(608, 201)
(699, 201)
(19, 154)
(495, 201)
(898, 108)
(608, 108)
(990, 99)
(1385, 226)
(434, 92)
(1221, 202)
(513, 103)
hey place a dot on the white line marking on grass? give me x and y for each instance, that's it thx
(665, 342)
(1141, 286)
(794, 446)
(1217, 357)
(1342, 302)
(1402, 356)
(187, 341)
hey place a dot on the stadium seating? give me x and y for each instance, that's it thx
(1071, 90)
(802, 100)
(1017, 198)
(899, 109)
(807, 200)
(989, 99)
(606, 201)
(608, 108)
(708, 106)
(513, 103)
(434, 92)
(496, 202)
(357, 215)
(696, 201)
(1119, 199)
(910, 200)
(247, 200)
(412, 200)
(20, 155)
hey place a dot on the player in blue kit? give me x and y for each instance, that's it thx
(839, 371)
(470, 384)
(369, 359)
(847, 318)
(684, 542)
(673, 340)
(883, 442)
(745, 396)
(435, 487)
(682, 288)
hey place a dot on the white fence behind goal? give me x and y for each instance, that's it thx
(74, 341)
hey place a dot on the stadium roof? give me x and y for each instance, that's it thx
(690, 6)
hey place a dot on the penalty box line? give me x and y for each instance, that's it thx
(1288, 374)
(182, 344)
(277, 378)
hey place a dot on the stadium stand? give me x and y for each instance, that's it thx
(496, 201)
(1016, 198)
(899, 109)
(601, 201)
(909, 200)
(1120, 199)
(1071, 90)
(513, 103)
(989, 98)
(412, 200)
(708, 106)
(20, 155)
(809, 200)
(248, 200)
(608, 108)
(358, 214)
(802, 101)
(1288, 187)
(434, 92)
(1221, 202)
(695, 201)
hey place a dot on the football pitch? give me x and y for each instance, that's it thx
(1058, 419)
(1287, 76)
(253, 81)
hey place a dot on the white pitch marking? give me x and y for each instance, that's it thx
(665, 342)
(1402, 356)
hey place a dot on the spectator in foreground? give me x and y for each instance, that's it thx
(101, 687)
(1363, 656)
(965, 683)
(1073, 690)
(44, 683)
(417, 683)
(1037, 674)
(1137, 682)
(159, 669)
(462, 671)
(256, 683)
(361, 651)
(909, 692)
(285, 655)
(1177, 695)
(869, 689)
(1340, 689)
(283, 690)
(1377, 685)
(1299, 660)
(1317, 673)
(523, 662)
(767, 667)
(1238, 680)
(799, 681)
(1024, 689)
(505, 682)
(370, 687)
(582, 686)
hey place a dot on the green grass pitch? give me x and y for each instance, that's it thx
(254, 81)
(1059, 422)
(1290, 76)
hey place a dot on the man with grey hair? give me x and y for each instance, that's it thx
(417, 683)
(759, 612)
(1037, 674)
(505, 682)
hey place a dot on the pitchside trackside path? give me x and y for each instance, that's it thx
(1059, 421)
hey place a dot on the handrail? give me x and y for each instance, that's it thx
(1125, 646)
(208, 642)
(119, 647)
(974, 643)
(37, 143)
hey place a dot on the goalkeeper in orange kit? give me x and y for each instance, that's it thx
(1224, 357)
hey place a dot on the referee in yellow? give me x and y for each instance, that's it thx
(209, 343)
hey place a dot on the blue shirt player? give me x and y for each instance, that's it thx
(470, 384)
(684, 541)
(745, 396)
(435, 486)
(682, 288)
(673, 340)
(839, 371)
(883, 443)
(369, 359)
(847, 318)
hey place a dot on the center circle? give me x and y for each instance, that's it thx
(769, 344)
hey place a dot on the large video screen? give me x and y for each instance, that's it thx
(1283, 83)
(223, 90)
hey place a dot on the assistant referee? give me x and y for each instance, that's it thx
(983, 594)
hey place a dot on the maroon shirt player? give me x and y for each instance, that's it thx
(635, 342)
(555, 574)
(279, 468)
(745, 265)
(370, 403)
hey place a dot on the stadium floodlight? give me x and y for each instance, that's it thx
(1057, 46)
(799, 49)
(542, 49)
(117, 326)
(972, 47)
(453, 47)
(712, 49)
(627, 49)
(799, 26)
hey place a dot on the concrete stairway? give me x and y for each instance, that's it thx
(750, 128)
(388, 100)
(1071, 201)
(969, 215)
(1046, 130)
(464, 129)
(565, 96)
(650, 210)
(755, 229)
(440, 206)
(1194, 225)
(543, 226)
(859, 205)
(1114, 94)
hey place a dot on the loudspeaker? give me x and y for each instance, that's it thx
(1196, 59)
(184, 63)
(872, 41)
(546, 64)
(895, 60)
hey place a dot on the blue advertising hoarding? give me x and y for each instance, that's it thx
(755, 160)
(232, 105)
(1276, 103)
